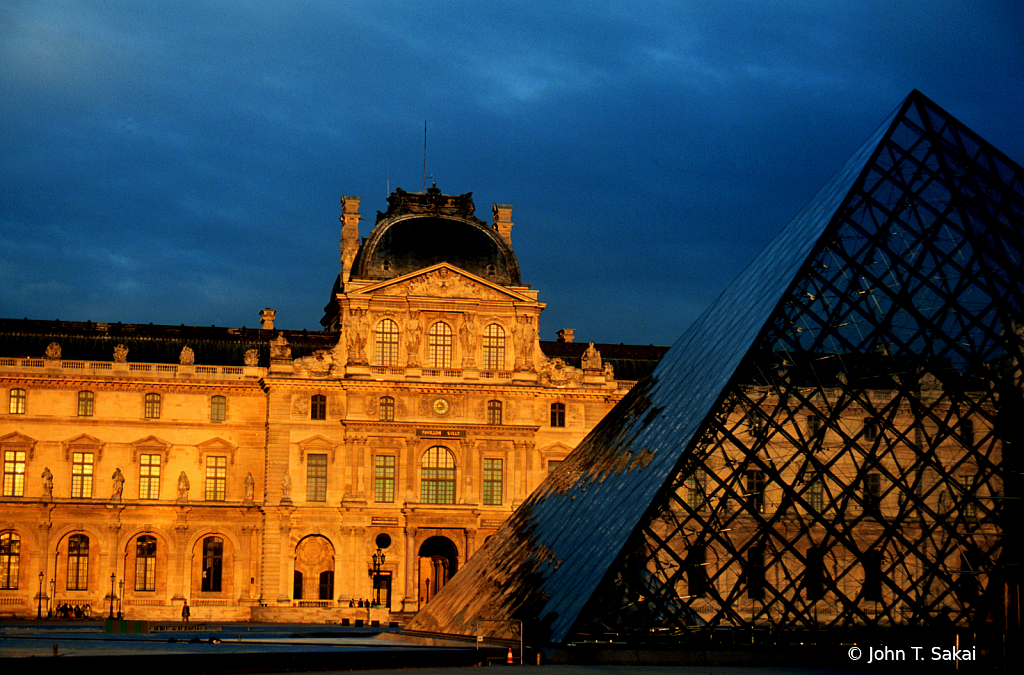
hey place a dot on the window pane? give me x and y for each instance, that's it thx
(387, 343)
(149, 477)
(316, 478)
(213, 560)
(558, 414)
(440, 345)
(492, 482)
(216, 478)
(81, 475)
(218, 408)
(438, 476)
(145, 563)
(387, 409)
(85, 400)
(494, 347)
(14, 473)
(78, 563)
(494, 412)
(10, 560)
(384, 479)
(17, 402)
(318, 407)
(152, 406)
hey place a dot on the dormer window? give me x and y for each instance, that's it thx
(385, 265)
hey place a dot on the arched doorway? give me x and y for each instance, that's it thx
(314, 569)
(439, 561)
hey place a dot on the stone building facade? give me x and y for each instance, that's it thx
(271, 474)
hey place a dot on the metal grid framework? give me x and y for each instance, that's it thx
(852, 473)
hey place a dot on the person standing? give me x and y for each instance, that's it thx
(185, 614)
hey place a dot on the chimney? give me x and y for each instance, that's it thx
(566, 334)
(503, 222)
(349, 234)
(267, 319)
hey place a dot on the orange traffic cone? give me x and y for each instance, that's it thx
(509, 659)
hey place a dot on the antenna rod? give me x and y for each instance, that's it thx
(424, 156)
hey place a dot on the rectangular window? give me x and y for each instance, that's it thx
(149, 476)
(152, 406)
(492, 482)
(78, 563)
(14, 473)
(81, 475)
(316, 478)
(218, 408)
(872, 492)
(318, 407)
(696, 496)
(85, 401)
(870, 428)
(755, 572)
(816, 495)
(17, 406)
(558, 414)
(216, 478)
(384, 479)
(966, 482)
(494, 413)
(553, 464)
(10, 561)
(755, 490)
(813, 425)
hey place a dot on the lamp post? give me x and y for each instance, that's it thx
(113, 578)
(49, 602)
(39, 598)
(378, 562)
(120, 599)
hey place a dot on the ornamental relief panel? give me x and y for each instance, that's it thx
(443, 283)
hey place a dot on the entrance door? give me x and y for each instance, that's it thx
(439, 560)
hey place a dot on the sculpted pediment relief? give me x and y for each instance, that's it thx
(443, 281)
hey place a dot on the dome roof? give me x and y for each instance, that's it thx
(420, 230)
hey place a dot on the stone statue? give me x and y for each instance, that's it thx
(47, 483)
(591, 358)
(412, 339)
(252, 357)
(120, 354)
(250, 486)
(286, 487)
(53, 351)
(183, 487)
(279, 348)
(118, 479)
(357, 337)
(188, 357)
(467, 335)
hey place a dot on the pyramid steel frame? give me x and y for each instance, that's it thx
(831, 445)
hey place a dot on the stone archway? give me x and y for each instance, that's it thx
(314, 569)
(438, 562)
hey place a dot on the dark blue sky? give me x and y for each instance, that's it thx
(182, 162)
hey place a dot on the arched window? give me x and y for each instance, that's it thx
(494, 412)
(78, 563)
(494, 347)
(218, 408)
(213, 559)
(437, 484)
(558, 414)
(145, 563)
(17, 402)
(152, 406)
(85, 399)
(318, 407)
(387, 343)
(440, 345)
(14, 473)
(10, 560)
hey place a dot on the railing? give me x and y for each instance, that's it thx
(324, 604)
(387, 370)
(135, 368)
(442, 372)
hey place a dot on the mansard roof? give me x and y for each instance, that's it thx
(423, 229)
(149, 343)
(914, 250)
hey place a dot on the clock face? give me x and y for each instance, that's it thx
(441, 406)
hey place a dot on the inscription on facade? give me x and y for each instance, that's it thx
(441, 433)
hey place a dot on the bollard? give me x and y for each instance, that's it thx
(509, 659)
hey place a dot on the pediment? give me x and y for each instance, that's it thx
(16, 438)
(216, 446)
(443, 280)
(316, 444)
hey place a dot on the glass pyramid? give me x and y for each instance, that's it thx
(824, 447)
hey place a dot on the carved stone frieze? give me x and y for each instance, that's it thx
(52, 352)
(187, 356)
(557, 373)
(443, 283)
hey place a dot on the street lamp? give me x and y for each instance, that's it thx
(39, 598)
(49, 603)
(378, 562)
(113, 578)
(120, 599)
